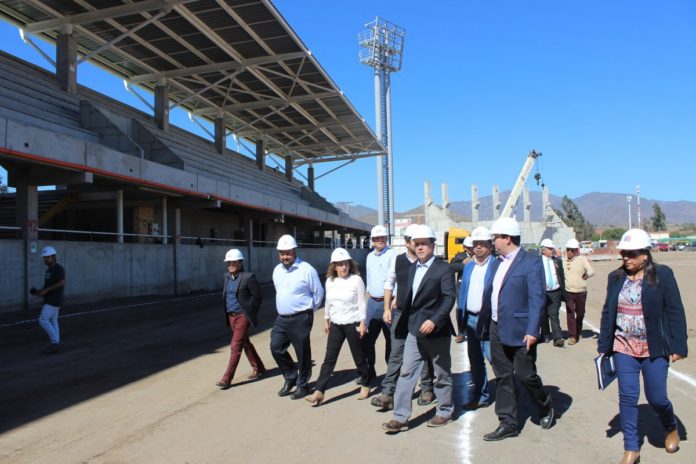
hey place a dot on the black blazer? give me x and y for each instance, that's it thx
(665, 321)
(434, 300)
(248, 294)
(560, 273)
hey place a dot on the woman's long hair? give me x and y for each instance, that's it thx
(332, 274)
(649, 270)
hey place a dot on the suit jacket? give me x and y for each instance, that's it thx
(433, 300)
(466, 279)
(663, 311)
(560, 273)
(521, 301)
(248, 294)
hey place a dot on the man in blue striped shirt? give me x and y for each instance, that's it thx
(298, 294)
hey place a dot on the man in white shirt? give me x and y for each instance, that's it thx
(298, 294)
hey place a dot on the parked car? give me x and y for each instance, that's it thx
(662, 246)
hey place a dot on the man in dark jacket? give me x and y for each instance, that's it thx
(242, 299)
(555, 293)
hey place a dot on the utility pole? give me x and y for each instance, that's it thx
(628, 200)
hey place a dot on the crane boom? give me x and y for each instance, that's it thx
(519, 184)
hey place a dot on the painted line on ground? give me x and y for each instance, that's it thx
(465, 419)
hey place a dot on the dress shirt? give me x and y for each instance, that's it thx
(390, 283)
(297, 289)
(421, 269)
(345, 300)
(474, 297)
(498, 280)
(552, 282)
(378, 266)
(232, 303)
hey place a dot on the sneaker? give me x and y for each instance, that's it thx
(383, 401)
(426, 398)
(559, 343)
(394, 426)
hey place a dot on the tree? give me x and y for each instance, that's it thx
(659, 221)
(572, 216)
(612, 233)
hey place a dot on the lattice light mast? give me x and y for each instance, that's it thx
(382, 47)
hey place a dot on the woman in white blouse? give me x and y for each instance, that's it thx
(344, 319)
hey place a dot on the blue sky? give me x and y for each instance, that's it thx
(604, 89)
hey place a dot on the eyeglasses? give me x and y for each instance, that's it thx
(478, 243)
(497, 236)
(630, 254)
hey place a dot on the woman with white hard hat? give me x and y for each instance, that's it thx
(644, 329)
(241, 296)
(344, 319)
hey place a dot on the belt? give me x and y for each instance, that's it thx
(472, 313)
(377, 299)
(551, 291)
(288, 316)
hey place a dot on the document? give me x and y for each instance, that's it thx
(606, 372)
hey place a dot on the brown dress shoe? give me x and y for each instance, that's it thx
(672, 441)
(631, 457)
(572, 341)
(257, 374)
(439, 421)
(394, 426)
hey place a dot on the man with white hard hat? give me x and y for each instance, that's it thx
(52, 293)
(555, 292)
(298, 294)
(511, 316)
(428, 302)
(457, 265)
(242, 298)
(476, 276)
(577, 270)
(395, 289)
(379, 262)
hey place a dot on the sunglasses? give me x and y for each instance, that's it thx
(630, 254)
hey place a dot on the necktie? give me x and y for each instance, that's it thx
(549, 275)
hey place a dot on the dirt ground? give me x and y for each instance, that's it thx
(134, 383)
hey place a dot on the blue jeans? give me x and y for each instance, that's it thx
(628, 371)
(48, 320)
(477, 350)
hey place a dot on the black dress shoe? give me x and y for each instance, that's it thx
(548, 418)
(502, 432)
(287, 388)
(300, 393)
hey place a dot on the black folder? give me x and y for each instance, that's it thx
(606, 371)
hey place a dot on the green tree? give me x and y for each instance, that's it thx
(572, 216)
(659, 221)
(612, 233)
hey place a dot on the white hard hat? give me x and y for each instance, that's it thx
(572, 243)
(378, 231)
(547, 243)
(480, 234)
(234, 255)
(48, 251)
(409, 230)
(506, 226)
(340, 254)
(634, 239)
(468, 242)
(423, 231)
(286, 242)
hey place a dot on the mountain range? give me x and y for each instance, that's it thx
(600, 209)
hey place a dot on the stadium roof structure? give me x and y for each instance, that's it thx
(233, 59)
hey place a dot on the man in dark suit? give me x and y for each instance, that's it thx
(430, 297)
(241, 296)
(555, 293)
(511, 314)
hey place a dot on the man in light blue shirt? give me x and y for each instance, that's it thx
(298, 294)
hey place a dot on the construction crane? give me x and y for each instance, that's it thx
(519, 184)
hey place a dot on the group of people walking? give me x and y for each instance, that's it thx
(507, 300)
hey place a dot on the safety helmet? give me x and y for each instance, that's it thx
(572, 243)
(234, 255)
(378, 231)
(286, 242)
(634, 239)
(423, 231)
(547, 243)
(468, 242)
(480, 234)
(48, 251)
(506, 226)
(340, 254)
(409, 230)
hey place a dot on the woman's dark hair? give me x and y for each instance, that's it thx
(649, 270)
(332, 274)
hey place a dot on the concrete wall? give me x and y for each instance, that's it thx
(97, 271)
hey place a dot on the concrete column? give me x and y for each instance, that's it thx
(310, 177)
(220, 134)
(342, 237)
(28, 219)
(162, 105)
(119, 215)
(165, 229)
(260, 155)
(177, 225)
(475, 205)
(249, 236)
(428, 202)
(66, 60)
(333, 239)
(527, 205)
(496, 202)
(288, 168)
(445, 199)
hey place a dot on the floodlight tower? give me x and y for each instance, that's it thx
(382, 49)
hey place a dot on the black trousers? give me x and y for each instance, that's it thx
(374, 328)
(551, 315)
(338, 333)
(510, 362)
(293, 331)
